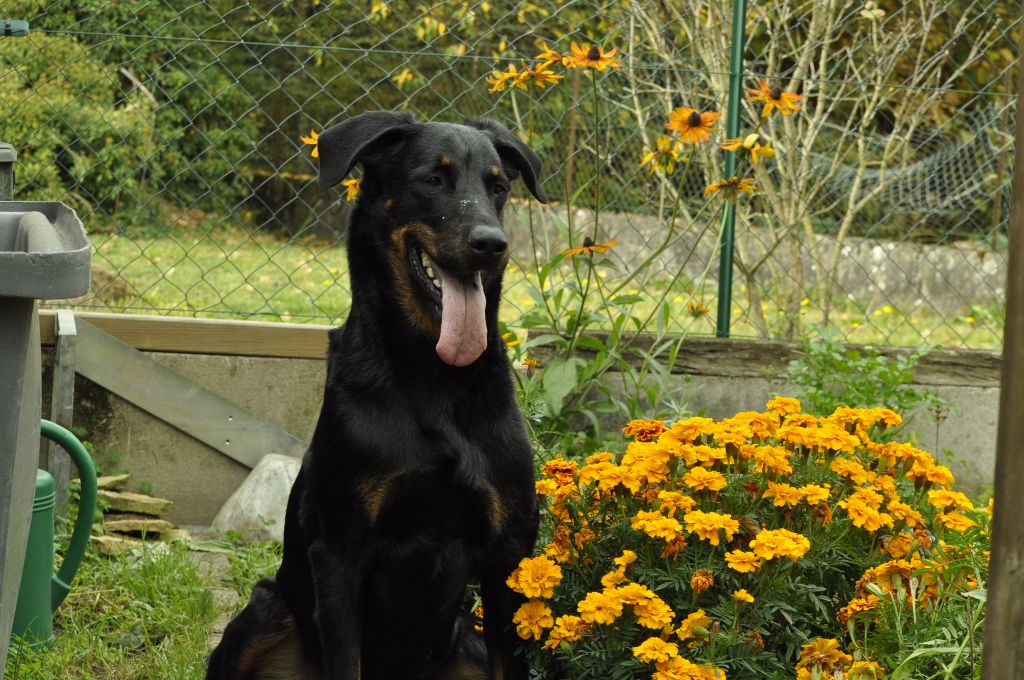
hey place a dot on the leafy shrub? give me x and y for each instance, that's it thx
(732, 547)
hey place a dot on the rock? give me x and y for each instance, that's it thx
(113, 545)
(112, 482)
(147, 525)
(256, 509)
(125, 501)
(176, 536)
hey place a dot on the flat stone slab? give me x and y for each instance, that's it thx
(112, 482)
(147, 525)
(111, 546)
(126, 501)
(256, 510)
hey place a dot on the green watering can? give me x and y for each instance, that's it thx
(42, 591)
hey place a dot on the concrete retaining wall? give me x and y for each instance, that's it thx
(726, 376)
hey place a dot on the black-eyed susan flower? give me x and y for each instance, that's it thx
(589, 247)
(550, 57)
(774, 98)
(313, 140)
(731, 188)
(750, 144)
(351, 188)
(540, 76)
(691, 125)
(531, 364)
(594, 57)
(664, 156)
(696, 308)
(502, 80)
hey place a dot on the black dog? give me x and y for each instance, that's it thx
(419, 479)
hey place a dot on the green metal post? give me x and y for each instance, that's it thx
(732, 130)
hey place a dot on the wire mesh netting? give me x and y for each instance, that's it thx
(175, 130)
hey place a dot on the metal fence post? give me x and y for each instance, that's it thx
(732, 130)
(7, 158)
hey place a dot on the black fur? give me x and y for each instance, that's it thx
(419, 479)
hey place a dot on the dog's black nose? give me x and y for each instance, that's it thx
(487, 242)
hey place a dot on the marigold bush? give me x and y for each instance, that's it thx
(765, 545)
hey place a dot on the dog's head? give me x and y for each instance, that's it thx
(433, 194)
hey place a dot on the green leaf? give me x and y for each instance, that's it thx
(558, 381)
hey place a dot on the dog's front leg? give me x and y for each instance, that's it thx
(504, 648)
(337, 580)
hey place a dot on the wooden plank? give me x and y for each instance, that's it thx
(62, 402)
(1004, 644)
(203, 336)
(170, 396)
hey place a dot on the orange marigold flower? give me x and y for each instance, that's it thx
(655, 649)
(865, 670)
(691, 125)
(535, 577)
(700, 479)
(823, 653)
(815, 493)
(691, 428)
(783, 406)
(313, 140)
(904, 512)
(673, 500)
(627, 558)
(702, 580)
(531, 619)
(600, 608)
(944, 499)
(600, 457)
(653, 613)
(352, 187)
(784, 494)
(898, 546)
(774, 98)
(560, 469)
(656, 525)
(773, 459)
(595, 57)
(773, 543)
(644, 430)
(852, 470)
(857, 605)
(589, 247)
(742, 561)
(956, 521)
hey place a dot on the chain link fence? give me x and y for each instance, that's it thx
(175, 130)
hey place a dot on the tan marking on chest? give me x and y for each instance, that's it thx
(497, 513)
(373, 492)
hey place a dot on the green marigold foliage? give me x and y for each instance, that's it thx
(771, 544)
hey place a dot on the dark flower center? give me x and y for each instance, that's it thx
(693, 120)
(588, 242)
(776, 93)
(594, 54)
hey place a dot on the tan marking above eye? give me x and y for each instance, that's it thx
(445, 160)
(495, 170)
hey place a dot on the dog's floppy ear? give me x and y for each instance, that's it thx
(512, 150)
(342, 146)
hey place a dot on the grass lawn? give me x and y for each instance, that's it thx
(145, 616)
(232, 273)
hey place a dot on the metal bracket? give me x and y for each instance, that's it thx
(62, 400)
(14, 27)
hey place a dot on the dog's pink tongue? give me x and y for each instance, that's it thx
(463, 326)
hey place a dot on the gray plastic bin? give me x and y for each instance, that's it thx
(44, 254)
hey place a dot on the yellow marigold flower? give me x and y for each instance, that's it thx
(633, 594)
(905, 513)
(591, 57)
(600, 457)
(898, 546)
(944, 499)
(568, 628)
(531, 619)
(701, 455)
(865, 670)
(653, 613)
(784, 494)
(663, 157)
(655, 649)
(700, 479)
(352, 187)
(695, 624)
(815, 493)
(599, 608)
(605, 474)
(865, 516)
(535, 577)
(742, 595)
(546, 487)
(589, 247)
(656, 525)
(313, 140)
(691, 125)
(857, 605)
(940, 474)
(852, 470)
(673, 500)
(823, 653)
(731, 188)
(773, 543)
(627, 558)
(749, 144)
(613, 578)
(702, 580)
(690, 429)
(751, 424)
(956, 521)
(678, 668)
(773, 459)
(648, 461)
(742, 561)
(783, 406)
(707, 524)
(774, 98)
(644, 430)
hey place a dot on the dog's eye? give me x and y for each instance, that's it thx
(435, 180)
(499, 189)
